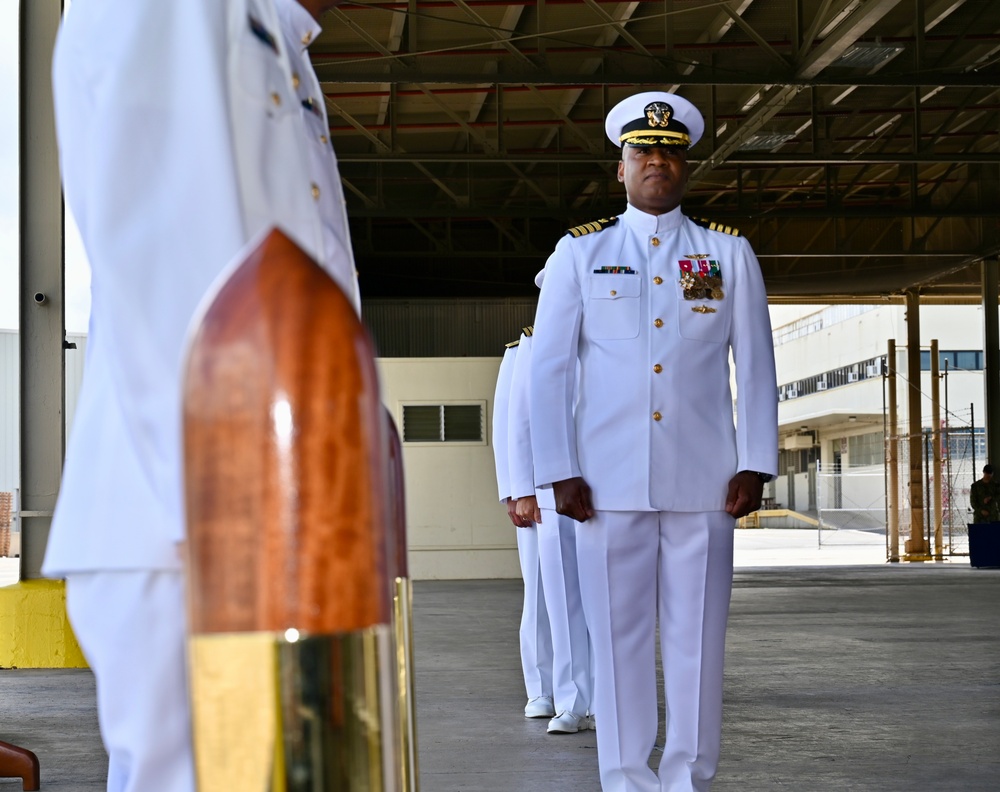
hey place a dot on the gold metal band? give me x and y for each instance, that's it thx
(406, 691)
(652, 137)
(289, 712)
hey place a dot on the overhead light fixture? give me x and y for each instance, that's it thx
(765, 141)
(867, 55)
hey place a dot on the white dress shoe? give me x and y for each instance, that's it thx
(567, 723)
(539, 707)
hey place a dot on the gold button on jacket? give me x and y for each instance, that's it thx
(657, 416)
(658, 323)
(657, 368)
(657, 280)
(655, 242)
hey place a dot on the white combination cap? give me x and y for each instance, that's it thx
(654, 118)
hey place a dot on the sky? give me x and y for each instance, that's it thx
(77, 270)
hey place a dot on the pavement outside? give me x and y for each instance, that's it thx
(843, 673)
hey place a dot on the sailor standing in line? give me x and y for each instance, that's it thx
(571, 672)
(649, 305)
(535, 636)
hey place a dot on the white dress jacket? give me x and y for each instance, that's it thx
(522, 469)
(182, 136)
(653, 427)
(501, 421)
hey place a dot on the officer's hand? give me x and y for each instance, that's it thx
(527, 509)
(745, 489)
(573, 499)
(518, 521)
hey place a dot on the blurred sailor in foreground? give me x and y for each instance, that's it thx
(186, 129)
(649, 305)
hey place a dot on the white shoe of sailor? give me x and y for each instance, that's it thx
(567, 723)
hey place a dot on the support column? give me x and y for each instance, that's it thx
(33, 612)
(991, 354)
(42, 322)
(892, 455)
(936, 450)
(916, 546)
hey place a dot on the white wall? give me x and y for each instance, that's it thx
(457, 527)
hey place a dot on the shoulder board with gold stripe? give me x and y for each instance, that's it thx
(528, 330)
(512, 344)
(711, 225)
(591, 228)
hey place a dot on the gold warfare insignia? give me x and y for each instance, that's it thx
(702, 309)
(658, 114)
(701, 279)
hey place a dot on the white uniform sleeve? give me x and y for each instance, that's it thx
(522, 474)
(756, 381)
(141, 99)
(501, 405)
(554, 369)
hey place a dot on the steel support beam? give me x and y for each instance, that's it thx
(41, 295)
(991, 352)
(916, 546)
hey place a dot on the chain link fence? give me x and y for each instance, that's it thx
(859, 499)
(849, 501)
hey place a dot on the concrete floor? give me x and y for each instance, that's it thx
(881, 678)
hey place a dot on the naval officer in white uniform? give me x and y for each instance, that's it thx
(572, 683)
(649, 305)
(185, 129)
(534, 633)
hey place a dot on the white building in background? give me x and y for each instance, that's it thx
(832, 405)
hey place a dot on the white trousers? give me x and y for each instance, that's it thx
(635, 567)
(536, 638)
(571, 670)
(132, 629)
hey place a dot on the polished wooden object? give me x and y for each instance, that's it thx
(284, 454)
(19, 763)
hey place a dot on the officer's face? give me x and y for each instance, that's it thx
(655, 177)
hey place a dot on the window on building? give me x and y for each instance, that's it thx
(959, 360)
(797, 460)
(966, 443)
(443, 423)
(866, 450)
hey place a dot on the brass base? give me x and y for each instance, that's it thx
(406, 691)
(292, 713)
